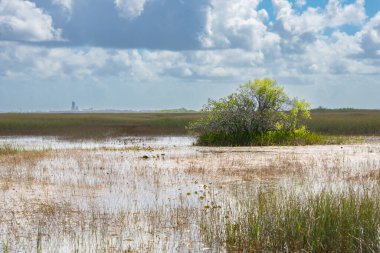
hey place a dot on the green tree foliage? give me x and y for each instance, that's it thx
(259, 112)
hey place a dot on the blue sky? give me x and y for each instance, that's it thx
(152, 54)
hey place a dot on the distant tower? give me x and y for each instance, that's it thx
(73, 106)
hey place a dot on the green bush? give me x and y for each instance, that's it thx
(259, 113)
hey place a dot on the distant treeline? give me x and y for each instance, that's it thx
(343, 109)
(178, 110)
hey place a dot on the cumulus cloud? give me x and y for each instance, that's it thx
(22, 20)
(19, 61)
(130, 9)
(370, 37)
(231, 24)
(238, 41)
(315, 20)
(350, 14)
(32, 62)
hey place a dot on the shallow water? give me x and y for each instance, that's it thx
(40, 143)
(148, 193)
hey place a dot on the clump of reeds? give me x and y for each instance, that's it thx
(8, 150)
(279, 221)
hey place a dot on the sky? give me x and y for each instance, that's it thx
(156, 54)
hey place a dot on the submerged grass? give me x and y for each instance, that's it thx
(283, 221)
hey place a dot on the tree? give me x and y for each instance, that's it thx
(256, 109)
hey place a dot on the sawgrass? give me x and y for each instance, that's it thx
(94, 125)
(284, 221)
(101, 125)
(345, 122)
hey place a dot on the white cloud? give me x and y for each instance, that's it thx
(67, 5)
(311, 20)
(240, 47)
(23, 21)
(130, 9)
(239, 43)
(350, 14)
(231, 24)
(369, 37)
(32, 62)
(316, 20)
(300, 3)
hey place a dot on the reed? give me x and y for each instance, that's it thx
(284, 221)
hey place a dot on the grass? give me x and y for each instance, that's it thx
(100, 125)
(95, 125)
(283, 221)
(345, 122)
(113, 200)
(9, 150)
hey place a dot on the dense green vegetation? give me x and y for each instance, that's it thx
(282, 138)
(258, 113)
(284, 221)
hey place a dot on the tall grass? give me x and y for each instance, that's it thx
(9, 150)
(282, 221)
(99, 125)
(345, 122)
(95, 125)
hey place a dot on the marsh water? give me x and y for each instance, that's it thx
(150, 194)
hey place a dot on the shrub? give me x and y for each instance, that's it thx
(259, 113)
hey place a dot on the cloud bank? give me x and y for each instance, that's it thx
(204, 44)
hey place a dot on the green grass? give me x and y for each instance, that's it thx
(282, 221)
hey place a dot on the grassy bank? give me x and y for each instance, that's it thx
(99, 125)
